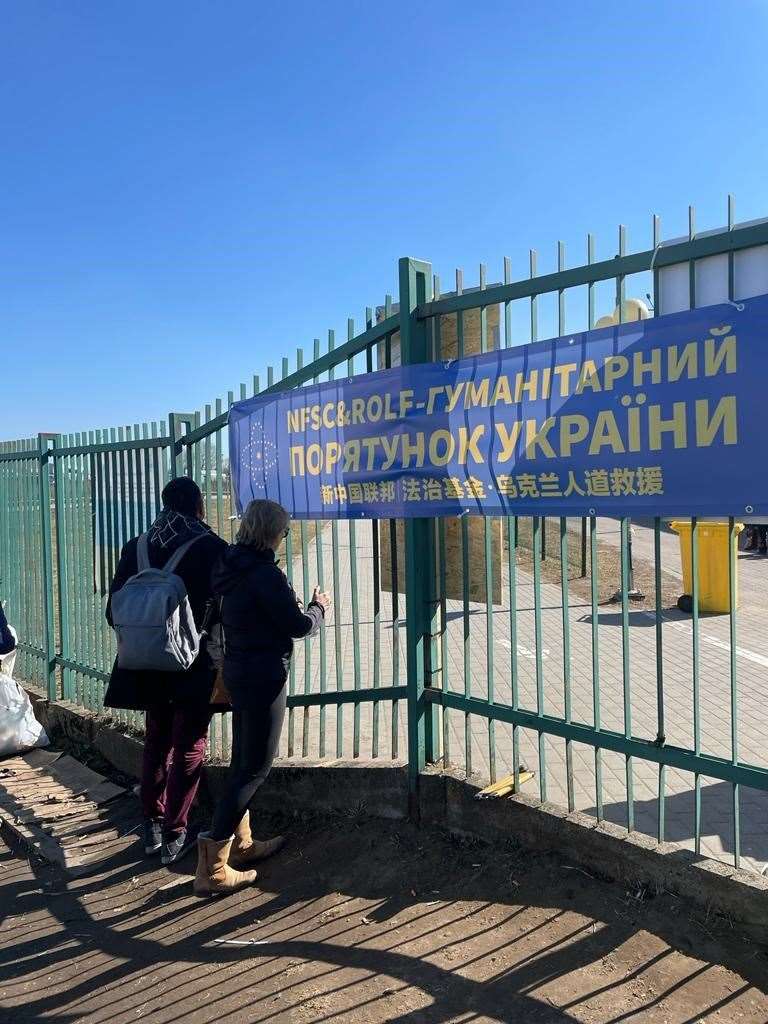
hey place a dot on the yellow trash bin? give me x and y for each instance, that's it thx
(714, 580)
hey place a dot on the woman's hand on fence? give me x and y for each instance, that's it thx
(324, 600)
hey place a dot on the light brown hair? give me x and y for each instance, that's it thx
(263, 523)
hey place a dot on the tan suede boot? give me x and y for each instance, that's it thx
(214, 875)
(247, 850)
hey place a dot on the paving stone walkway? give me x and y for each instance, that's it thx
(381, 729)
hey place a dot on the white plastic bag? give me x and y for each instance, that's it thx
(19, 729)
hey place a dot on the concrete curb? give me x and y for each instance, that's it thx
(447, 800)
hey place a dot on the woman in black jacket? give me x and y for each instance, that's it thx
(260, 617)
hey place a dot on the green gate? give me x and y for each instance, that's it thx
(485, 643)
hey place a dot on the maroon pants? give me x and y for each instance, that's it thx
(174, 748)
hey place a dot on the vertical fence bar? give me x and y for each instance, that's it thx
(657, 299)
(660, 726)
(488, 553)
(394, 562)
(22, 587)
(564, 572)
(131, 480)
(511, 538)
(696, 676)
(115, 504)
(108, 539)
(147, 474)
(732, 542)
(375, 541)
(465, 568)
(122, 483)
(60, 470)
(207, 463)
(660, 709)
(289, 572)
(305, 596)
(695, 587)
(337, 649)
(533, 261)
(67, 563)
(197, 459)
(566, 656)
(92, 607)
(323, 652)
(594, 572)
(98, 635)
(138, 497)
(620, 279)
(442, 582)
(416, 288)
(85, 594)
(538, 639)
(352, 535)
(228, 495)
(207, 489)
(692, 263)
(49, 623)
(625, 587)
(21, 476)
(590, 325)
(732, 632)
(225, 725)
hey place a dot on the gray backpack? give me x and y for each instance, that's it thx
(152, 617)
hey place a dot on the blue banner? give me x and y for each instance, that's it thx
(663, 417)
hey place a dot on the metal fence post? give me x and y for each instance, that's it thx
(181, 461)
(49, 625)
(62, 568)
(420, 556)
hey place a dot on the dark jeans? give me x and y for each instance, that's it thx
(255, 739)
(174, 748)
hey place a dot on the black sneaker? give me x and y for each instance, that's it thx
(176, 847)
(153, 836)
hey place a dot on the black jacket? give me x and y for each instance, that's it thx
(138, 691)
(261, 616)
(7, 643)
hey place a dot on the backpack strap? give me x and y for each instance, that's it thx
(142, 553)
(178, 554)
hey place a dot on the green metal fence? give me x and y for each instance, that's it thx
(528, 669)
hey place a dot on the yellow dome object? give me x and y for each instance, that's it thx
(605, 321)
(634, 309)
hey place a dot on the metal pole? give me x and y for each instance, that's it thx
(49, 625)
(420, 557)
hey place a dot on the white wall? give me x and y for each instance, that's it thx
(750, 278)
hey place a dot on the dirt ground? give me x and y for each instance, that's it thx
(366, 921)
(609, 569)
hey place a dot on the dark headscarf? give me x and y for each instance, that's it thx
(172, 529)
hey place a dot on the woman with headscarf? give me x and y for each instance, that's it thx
(177, 704)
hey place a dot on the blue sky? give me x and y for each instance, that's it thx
(189, 191)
